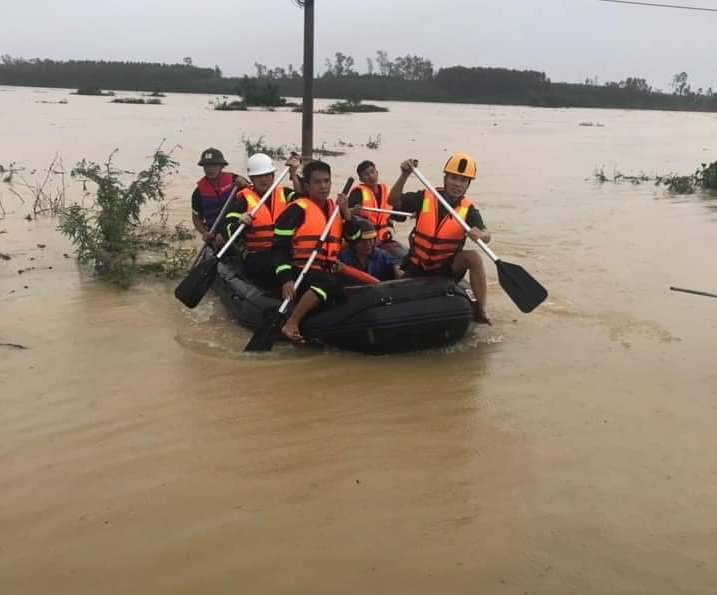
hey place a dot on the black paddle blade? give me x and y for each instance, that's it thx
(267, 334)
(522, 288)
(196, 284)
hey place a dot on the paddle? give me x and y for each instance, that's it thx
(694, 292)
(196, 284)
(215, 226)
(389, 211)
(267, 334)
(520, 286)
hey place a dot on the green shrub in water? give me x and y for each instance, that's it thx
(110, 235)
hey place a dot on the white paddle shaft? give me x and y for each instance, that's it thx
(254, 211)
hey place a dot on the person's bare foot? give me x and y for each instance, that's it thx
(291, 332)
(479, 315)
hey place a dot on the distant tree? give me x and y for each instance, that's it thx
(261, 70)
(637, 85)
(412, 68)
(343, 65)
(217, 71)
(369, 66)
(187, 61)
(384, 64)
(679, 84)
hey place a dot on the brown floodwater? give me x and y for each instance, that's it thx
(572, 450)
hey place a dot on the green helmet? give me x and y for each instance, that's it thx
(212, 156)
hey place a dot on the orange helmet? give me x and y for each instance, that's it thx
(461, 164)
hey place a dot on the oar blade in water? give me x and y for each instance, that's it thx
(522, 288)
(267, 334)
(196, 284)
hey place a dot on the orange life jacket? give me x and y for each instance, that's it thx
(308, 234)
(380, 220)
(260, 234)
(433, 242)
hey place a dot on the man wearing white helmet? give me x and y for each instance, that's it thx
(256, 247)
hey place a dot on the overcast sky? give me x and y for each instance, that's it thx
(567, 39)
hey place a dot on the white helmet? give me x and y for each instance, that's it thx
(260, 164)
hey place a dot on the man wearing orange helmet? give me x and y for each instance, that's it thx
(437, 240)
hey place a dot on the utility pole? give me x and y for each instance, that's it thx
(307, 115)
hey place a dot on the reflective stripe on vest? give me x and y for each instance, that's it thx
(379, 220)
(213, 196)
(433, 242)
(260, 234)
(309, 232)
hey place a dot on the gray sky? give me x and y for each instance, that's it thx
(567, 39)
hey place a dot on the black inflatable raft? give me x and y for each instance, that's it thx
(388, 317)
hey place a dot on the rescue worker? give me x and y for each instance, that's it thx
(296, 232)
(362, 253)
(437, 240)
(211, 193)
(370, 193)
(255, 251)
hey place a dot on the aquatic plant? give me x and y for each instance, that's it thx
(351, 106)
(92, 90)
(704, 178)
(110, 235)
(259, 146)
(230, 106)
(137, 101)
(374, 143)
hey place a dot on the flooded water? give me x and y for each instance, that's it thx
(572, 450)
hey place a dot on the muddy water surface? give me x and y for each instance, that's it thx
(571, 450)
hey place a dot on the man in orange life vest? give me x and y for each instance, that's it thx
(369, 193)
(255, 251)
(211, 193)
(295, 234)
(437, 240)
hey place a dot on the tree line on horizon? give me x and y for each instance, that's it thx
(405, 78)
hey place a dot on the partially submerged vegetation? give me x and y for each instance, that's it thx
(93, 91)
(230, 106)
(704, 178)
(111, 235)
(252, 146)
(258, 93)
(46, 193)
(282, 152)
(352, 106)
(137, 101)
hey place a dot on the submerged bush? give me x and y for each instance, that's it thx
(259, 146)
(230, 106)
(351, 106)
(110, 235)
(137, 101)
(91, 90)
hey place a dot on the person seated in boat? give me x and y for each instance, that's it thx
(211, 193)
(296, 232)
(437, 241)
(362, 253)
(255, 250)
(372, 194)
